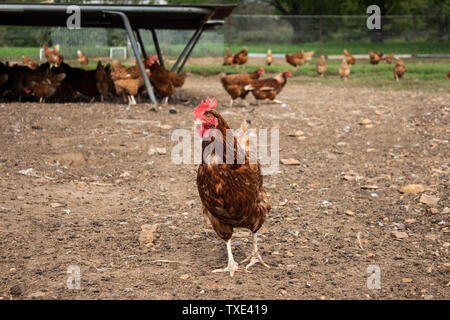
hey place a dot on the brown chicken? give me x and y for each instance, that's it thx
(121, 72)
(160, 78)
(448, 75)
(29, 63)
(82, 59)
(105, 85)
(53, 56)
(389, 58)
(234, 84)
(375, 57)
(349, 58)
(308, 56)
(321, 66)
(295, 59)
(46, 86)
(228, 59)
(399, 69)
(231, 190)
(269, 58)
(241, 57)
(130, 87)
(268, 88)
(344, 70)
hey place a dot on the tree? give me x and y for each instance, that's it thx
(292, 8)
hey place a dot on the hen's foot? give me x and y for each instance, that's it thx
(254, 258)
(231, 268)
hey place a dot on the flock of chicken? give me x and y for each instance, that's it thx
(300, 58)
(58, 81)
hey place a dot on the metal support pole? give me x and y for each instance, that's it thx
(186, 48)
(158, 49)
(141, 42)
(134, 45)
(190, 51)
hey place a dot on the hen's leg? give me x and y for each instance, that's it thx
(133, 101)
(255, 256)
(232, 265)
(231, 103)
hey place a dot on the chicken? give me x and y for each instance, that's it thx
(29, 63)
(349, 58)
(46, 86)
(130, 87)
(79, 83)
(308, 56)
(231, 190)
(448, 75)
(268, 88)
(269, 58)
(105, 85)
(321, 66)
(399, 69)
(241, 57)
(177, 79)
(228, 59)
(234, 84)
(344, 70)
(53, 56)
(161, 80)
(295, 59)
(375, 57)
(389, 58)
(82, 59)
(121, 72)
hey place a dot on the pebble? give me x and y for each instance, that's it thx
(15, 290)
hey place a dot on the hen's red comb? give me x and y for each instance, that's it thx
(204, 106)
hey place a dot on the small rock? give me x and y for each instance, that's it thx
(15, 290)
(412, 188)
(350, 213)
(290, 162)
(406, 280)
(56, 205)
(185, 276)
(173, 111)
(429, 200)
(161, 151)
(365, 122)
(147, 236)
(399, 235)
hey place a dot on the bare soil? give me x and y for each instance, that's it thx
(94, 184)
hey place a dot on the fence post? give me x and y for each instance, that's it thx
(229, 32)
(320, 35)
(415, 35)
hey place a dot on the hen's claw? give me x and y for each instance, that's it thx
(231, 268)
(254, 258)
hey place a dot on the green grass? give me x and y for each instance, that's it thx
(426, 75)
(360, 47)
(208, 49)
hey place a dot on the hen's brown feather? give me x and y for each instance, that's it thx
(232, 194)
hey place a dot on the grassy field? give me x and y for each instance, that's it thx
(360, 47)
(206, 49)
(427, 75)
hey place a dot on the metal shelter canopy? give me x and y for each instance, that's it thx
(131, 17)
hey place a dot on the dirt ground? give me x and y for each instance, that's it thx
(94, 183)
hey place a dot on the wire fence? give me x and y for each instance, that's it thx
(282, 34)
